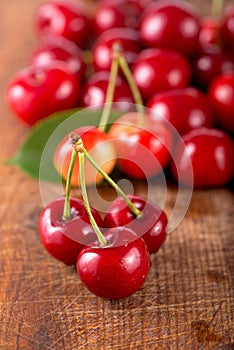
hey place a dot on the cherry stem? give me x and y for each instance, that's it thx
(79, 147)
(133, 86)
(101, 238)
(217, 8)
(110, 88)
(67, 208)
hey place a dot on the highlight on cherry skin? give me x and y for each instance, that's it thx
(118, 269)
(100, 147)
(64, 238)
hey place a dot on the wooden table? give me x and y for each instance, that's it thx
(187, 301)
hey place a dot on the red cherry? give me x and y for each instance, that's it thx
(102, 48)
(158, 70)
(172, 25)
(221, 94)
(99, 146)
(58, 48)
(64, 239)
(117, 270)
(209, 32)
(227, 27)
(36, 92)
(143, 151)
(65, 18)
(212, 157)
(94, 92)
(151, 225)
(209, 64)
(185, 109)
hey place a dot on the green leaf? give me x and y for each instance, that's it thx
(35, 156)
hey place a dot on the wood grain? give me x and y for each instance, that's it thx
(187, 301)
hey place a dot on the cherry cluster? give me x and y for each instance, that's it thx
(182, 64)
(112, 255)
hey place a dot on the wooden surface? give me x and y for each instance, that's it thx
(187, 301)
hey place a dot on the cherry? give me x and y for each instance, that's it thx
(99, 146)
(36, 92)
(150, 224)
(209, 64)
(58, 48)
(142, 150)
(227, 27)
(118, 269)
(209, 34)
(64, 238)
(196, 110)
(212, 157)
(64, 18)
(171, 25)
(221, 94)
(95, 88)
(102, 47)
(158, 70)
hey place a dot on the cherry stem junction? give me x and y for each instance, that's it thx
(79, 147)
(67, 208)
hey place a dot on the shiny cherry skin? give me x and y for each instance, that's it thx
(59, 49)
(212, 155)
(102, 55)
(36, 92)
(150, 225)
(143, 151)
(209, 64)
(157, 70)
(185, 109)
(94, 92)
(64, 239)
(227, 27)
(172, 25)
(117, 14)
(118, 269)
(100, 148)
(64, 18)
(221, 94)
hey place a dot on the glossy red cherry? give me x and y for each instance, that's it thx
(157, 70)
(36, 92)
(221, 94)
(185, 109)
(150, 225)
(94, 92)
(212, 157)
(102, 48)
(143, 151)
(211, 63)
(227, 27)
(66, 18)
(58, 48)
(117, 270)
(64, 239)
(99, 146)
(172, 25)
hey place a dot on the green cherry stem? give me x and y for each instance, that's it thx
(67, 208)
(111, 87)
(78, 147)
(217, 8)
(133, 86)
(101, 238)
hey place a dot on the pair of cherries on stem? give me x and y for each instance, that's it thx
(116, 264)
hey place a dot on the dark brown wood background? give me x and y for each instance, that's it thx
(187, 301)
